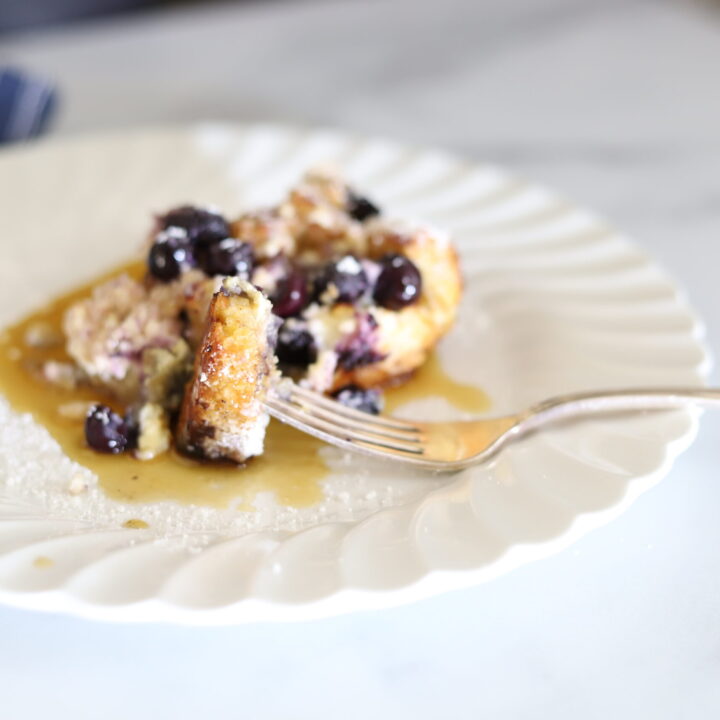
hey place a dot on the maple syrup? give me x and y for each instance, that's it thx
(291, 468)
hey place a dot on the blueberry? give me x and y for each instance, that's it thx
(358, 348)
(106, 431)
(356, 355)
(291, 295)
(360, 208)
(167, 256)
(399, 283)
(365, 400)
(347, 276)
(295, 345)
(228, 256)
(197, 222)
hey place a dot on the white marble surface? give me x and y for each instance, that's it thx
(618, 105)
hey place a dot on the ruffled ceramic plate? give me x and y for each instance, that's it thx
(555, 301)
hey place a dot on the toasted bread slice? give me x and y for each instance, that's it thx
(222, 414)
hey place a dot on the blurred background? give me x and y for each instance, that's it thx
(614, 103)
(28, 14)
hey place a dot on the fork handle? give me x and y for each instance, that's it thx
(605, 401)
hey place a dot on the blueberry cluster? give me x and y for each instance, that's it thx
(346, 280)
(190, 237)
(196, 237)
(343, 281)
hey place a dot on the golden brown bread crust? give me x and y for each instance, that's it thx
(311, 225)
(222, 414)
(267, 231)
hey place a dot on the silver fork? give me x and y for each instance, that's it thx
(453, 446)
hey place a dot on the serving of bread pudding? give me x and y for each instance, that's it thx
(321, 288)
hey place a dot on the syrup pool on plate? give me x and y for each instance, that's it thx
(291, 468)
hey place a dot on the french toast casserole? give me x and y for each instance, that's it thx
(322, 288)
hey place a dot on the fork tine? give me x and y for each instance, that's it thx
(286, 411)
(350, 424)
(318, 400)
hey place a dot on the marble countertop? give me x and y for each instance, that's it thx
(617, 104)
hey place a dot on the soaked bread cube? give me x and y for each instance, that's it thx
(222, 414)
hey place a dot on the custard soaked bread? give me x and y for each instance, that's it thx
(357, 300)
(414, 302)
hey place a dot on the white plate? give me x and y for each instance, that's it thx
(555, 301)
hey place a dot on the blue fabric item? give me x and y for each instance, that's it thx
(27, 105)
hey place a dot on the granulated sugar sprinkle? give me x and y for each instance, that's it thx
(38, 479)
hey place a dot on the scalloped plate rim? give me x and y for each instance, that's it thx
(246, 611)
